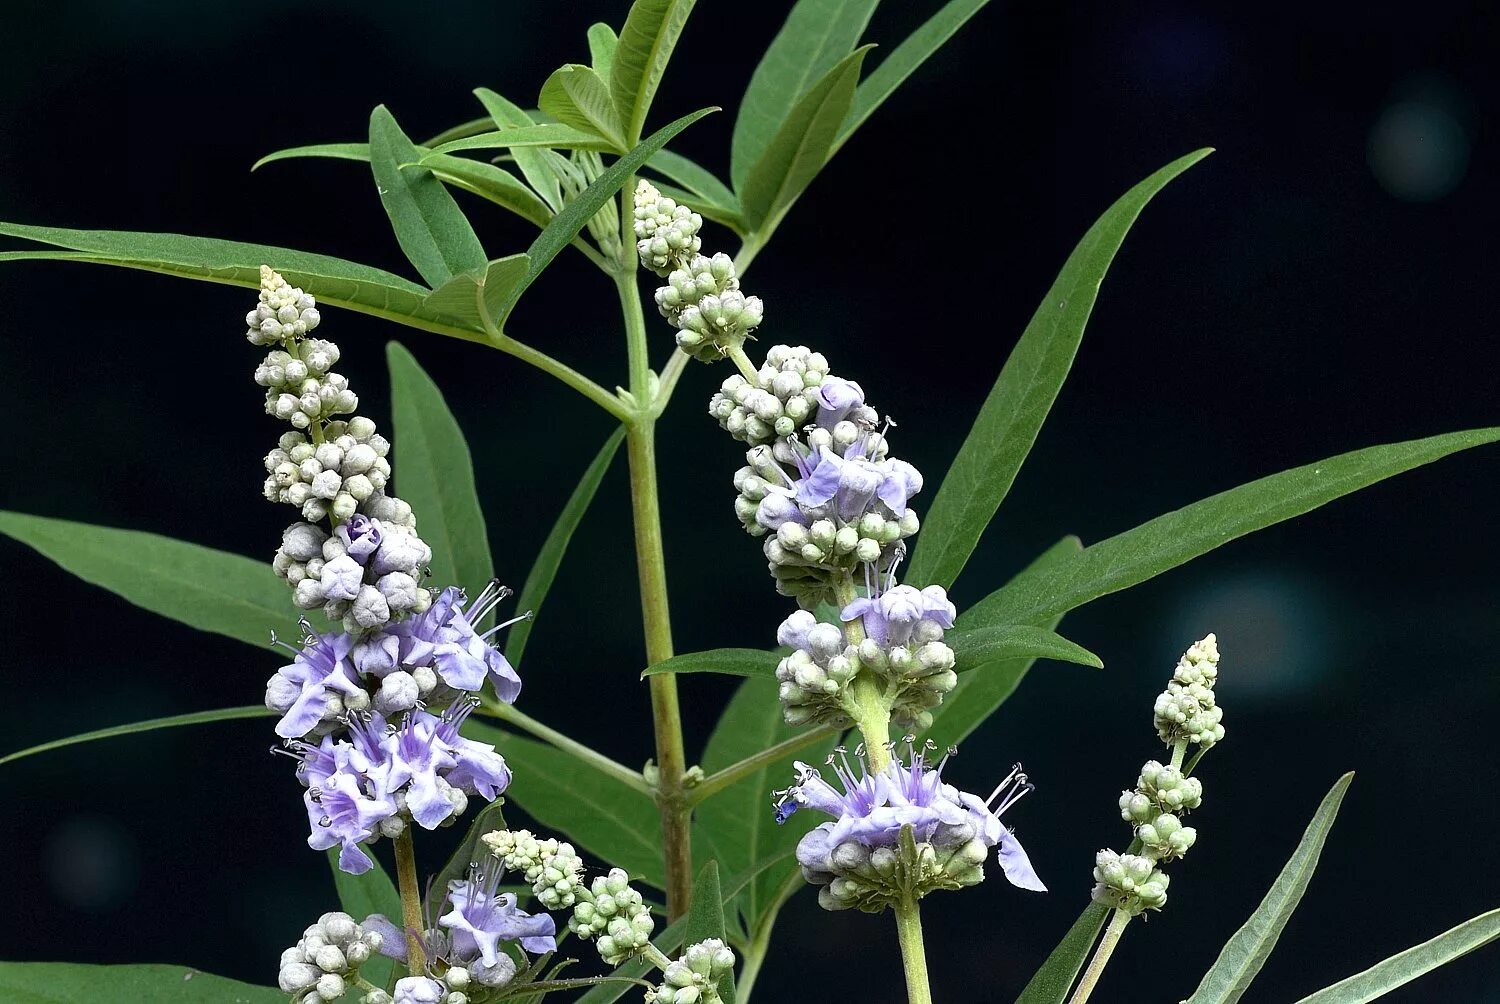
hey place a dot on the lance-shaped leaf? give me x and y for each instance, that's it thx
(473, 127)
(595, 810)
(640, 58)
(800, 148)
(1012, 415)
(1051, 983)
(816, 35)
(697, 180)
(983, 647)
(75, 983)
(566, 224)
(575, 95)
(361, 895)
(1177, 537)
(602, 45)
(904, 60)
(534, 163)
(490, 182)
(470, 299)
(1398, 970)
(1241, 960)
(756, 662)
(549, 558)
(705, 919)
(543, 134)
(150, 725)
(431, 229)
(978, 694)
(435, 474)
(708, 209)
(335, 151)
(199, 586)
(333, 281)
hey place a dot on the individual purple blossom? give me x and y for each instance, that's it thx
(425, 756)
(481, 917)
(343, 812)
(444, 637)
(851, 484)
(892, 615)
(836, 398)
(321, 668)
(417, 990)
(361, 536)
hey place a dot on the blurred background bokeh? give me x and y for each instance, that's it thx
(1321, 283)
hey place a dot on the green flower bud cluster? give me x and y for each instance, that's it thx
(853, 876)
(610, 911)
(783, 399)
(1163, 793)
(324, 964)
(553, 867)
(283, 313)
(335, 477)
(577, 172)
(920, 673)
(1186, 710)
(807, 561)
(694, 978)
(702, 297)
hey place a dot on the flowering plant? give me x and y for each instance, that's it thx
(402, 667)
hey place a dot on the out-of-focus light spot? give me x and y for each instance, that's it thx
(92, 864)
(1271, 629)
(1418, 148)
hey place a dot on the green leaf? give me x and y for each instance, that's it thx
(1398, 970)
(756, 662)
(904, 60)
(602, 45)
(150, 725)
(533, 163)
(736, 826)
(336, 151)
(699, 181)
(473, 127)
(362, 895)
(437, 476)
(470, 299)
(575, 95)
(75, 983)
(800, 148)
(598, 812)
(553, 135)
(430, 227)
(705, 919)
(549, 558)
(703, 207)
(566, 224)
(332, 280)
(210, 590)
(1052, 982)
(1177, 537)
(983, 647)
(1240, 961)
(646, 42)
(490, 182)
(1013, 414)
(978, 694)
(817, 35)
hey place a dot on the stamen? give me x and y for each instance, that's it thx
(501, 627)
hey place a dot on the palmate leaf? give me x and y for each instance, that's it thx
(431, 229)
(437, 476)
(640, 58)
(1177, 537)
(1055, 978)
(1398, 970)
(150, 725)
(1241, 960)
(1012, 415)
(549, 558)
(74, 983)
(207, 589)
(977, 695)
(362, 895)
(817, 34)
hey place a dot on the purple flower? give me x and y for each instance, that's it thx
(418, 990)
(343, 812)
(891, 616)
(320, 668)
(850, 484)
(985, 815)
(361, 536)
(481, 917)
(444, 638)
(477, 767)
(426, 756)
(377, 653)
(836, 398)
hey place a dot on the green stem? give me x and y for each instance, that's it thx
(1179, 750)
(666, 715)
(742, 362)
(549, 735)
(670, 374)
(719, 780)
(411, 901)
(654, 955)
(1117, 922)
(755, 956)
(913, 953)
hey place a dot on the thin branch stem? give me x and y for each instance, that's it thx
(411, 902)
(742, 362)
(913, 952)
(552, 737)
(670, 374)
(719, 780)
(1117, 922)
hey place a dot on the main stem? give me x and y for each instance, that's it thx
(913, 952)
(666, 715)
(411, 902)
(1117, 922)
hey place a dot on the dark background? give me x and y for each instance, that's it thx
(1320, 284)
